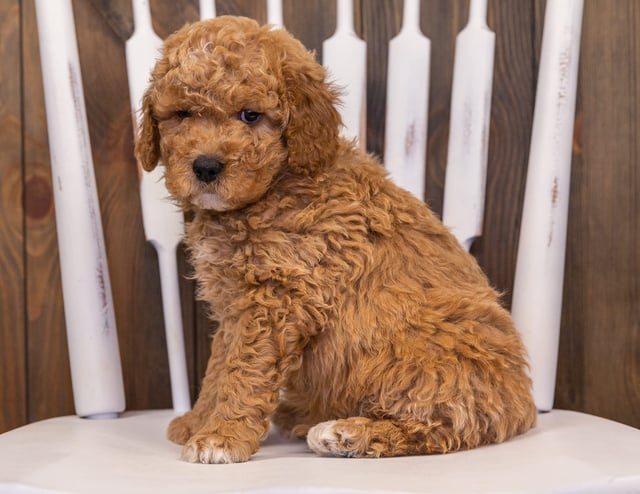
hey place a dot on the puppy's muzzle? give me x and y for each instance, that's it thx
(207, 168)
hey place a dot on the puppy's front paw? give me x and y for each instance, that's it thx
(214, 448)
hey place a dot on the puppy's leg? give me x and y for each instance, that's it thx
(182, 428)
(363, 437)
(246, 387)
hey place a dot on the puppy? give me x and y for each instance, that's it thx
(348, 314)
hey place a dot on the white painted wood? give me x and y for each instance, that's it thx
(537, 291)
(94, 355)
(274, 13)
(405, 145)
(345, 57)
(207, 9)
(163, 221)
(567, 452)
(465, 179)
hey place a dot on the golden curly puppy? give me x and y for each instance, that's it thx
(348, 313)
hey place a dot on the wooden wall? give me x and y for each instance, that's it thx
(599, 370)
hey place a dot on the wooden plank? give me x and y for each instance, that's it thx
(163, 221)
(599, 369)
(463, 206)
(536, 304)
(510, 129)
(168, 17)
(116, 13)
(247, 8)
(49, 381)
(13, 385)
(94, 355)
(345, 58)
(441, 21)
(311, 22)
(133, 262)
(380, 21)
(139, 331)
(407, 82)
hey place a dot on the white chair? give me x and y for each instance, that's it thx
(567, 451)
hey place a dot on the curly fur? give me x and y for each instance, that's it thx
(348, 313)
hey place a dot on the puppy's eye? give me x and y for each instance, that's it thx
(182, 114)
(249, 117)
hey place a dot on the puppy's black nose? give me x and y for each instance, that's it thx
(207, 168)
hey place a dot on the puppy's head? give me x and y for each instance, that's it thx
(230, 105)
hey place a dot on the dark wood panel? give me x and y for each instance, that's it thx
(380, 21)
(13, 385)
(599, 369)
(441, 20)
(170, 16)
(256, 9)
(117, 14)
(311, 22)
(510, 129)
(49, 382)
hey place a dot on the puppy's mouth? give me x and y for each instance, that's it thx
(210, 201)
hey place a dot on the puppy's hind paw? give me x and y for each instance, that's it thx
(329, 439)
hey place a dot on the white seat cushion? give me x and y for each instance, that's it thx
(566, 452)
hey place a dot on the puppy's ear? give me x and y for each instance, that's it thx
(313, 122)
(147, 147)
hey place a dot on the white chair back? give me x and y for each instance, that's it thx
(537, 294)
